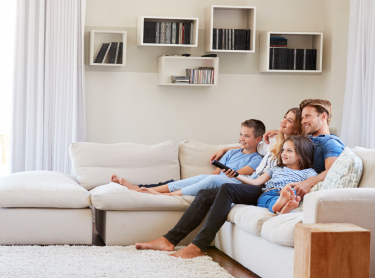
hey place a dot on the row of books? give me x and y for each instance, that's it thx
(278, 42)
(168, 32)
(109, 53)
(231, 39)
(202, 75)
(282, 58)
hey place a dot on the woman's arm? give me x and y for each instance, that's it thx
(258, 181)
(221, 152)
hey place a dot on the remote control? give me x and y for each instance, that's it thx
(186, 55)
(209, 55)
(222, 166)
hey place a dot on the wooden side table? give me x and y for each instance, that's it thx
(331, 250)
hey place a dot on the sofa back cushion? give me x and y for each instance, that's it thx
(368, 160)
(94, 163)
(195, 157)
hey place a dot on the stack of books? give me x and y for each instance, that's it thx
(202, 75)
(284, 58)
(180, 79)
(109, 53)
(168, 32)
(231, 39)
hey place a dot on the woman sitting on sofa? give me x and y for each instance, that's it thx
(290, 125)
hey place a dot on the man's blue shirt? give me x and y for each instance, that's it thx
(325, 146)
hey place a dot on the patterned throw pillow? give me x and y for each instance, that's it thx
(345, 172)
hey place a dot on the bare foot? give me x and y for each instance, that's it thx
(130, 186)
(283, 199)
(189, 252)
(161, 244)
(150, 191)
(291, 205)
(115, 178)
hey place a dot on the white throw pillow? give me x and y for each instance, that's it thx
(345, 172)
(195, 157)
(94, 163)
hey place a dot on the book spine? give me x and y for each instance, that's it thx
(304, 59)
(232, 39)
(180, 34)
(144, 32)
(157, 40)
(214, 38)
(117, 50)
(248, 39)
(167, 33)
(119, 58)
(173, 40)
(192, 33)
(229, 39)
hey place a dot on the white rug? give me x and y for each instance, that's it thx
(96, 261)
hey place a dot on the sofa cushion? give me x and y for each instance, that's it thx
(195, 157)
(280, 229)
(114, 196)
(42, 189)
(251, 218)
(94, 163)
(368, 160)
(345, 172)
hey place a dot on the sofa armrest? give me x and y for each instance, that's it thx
(349, 205)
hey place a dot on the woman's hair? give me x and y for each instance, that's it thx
(280, 138)
(321, 106)
(304, 148)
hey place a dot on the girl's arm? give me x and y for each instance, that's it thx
(258, 181)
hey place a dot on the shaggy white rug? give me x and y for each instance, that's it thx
(96, 261)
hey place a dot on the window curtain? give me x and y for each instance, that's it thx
(48, 108)
(358, 121)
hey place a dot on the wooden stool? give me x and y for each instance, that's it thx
(331, 250)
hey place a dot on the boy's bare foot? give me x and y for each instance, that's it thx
(161, 244)
(283, 199)
(189, 252)
(115, 178)
(291, 205)
(150, 191)
(130, 186)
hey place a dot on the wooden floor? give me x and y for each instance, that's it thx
(233, 267)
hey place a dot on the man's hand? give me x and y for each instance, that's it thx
(270, 134)
(302, 188)
(218, 155)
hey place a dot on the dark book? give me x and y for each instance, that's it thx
(112, 53)
(279, 42)
(223, 39)
(290, 59)
(232, 39)
(144, 32)
(248, 39)
(102, 51)
(119, 57)
(299, 59)
(157, 33)
(214, 34)
(220, 39)
(314, 53)
(271, 59)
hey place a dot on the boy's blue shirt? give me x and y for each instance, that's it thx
(325, 146)
(236, 160)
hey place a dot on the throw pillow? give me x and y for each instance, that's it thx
(345, 172)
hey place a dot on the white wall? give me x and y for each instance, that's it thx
(336, 27)
(126, 105)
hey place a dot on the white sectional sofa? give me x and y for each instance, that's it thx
(253, 236)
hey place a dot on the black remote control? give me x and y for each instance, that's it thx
(222, 166)
(209, 55)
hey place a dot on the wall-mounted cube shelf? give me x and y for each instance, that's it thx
(230, 17)
(295, 40)
(100, 37)
(145, 31)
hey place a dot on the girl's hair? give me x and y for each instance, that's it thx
(280, 138)
(304, 148)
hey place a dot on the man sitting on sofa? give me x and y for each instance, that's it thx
(217, 202)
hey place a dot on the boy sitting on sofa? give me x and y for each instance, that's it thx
(243, 160)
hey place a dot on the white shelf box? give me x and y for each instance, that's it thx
(97, 37)
(143, 19)
(296, 40)
(177, 65)
(229, 17)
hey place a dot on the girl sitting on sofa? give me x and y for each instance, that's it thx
(294, 162)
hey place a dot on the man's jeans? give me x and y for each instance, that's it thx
(220, 201)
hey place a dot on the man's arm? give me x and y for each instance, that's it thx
(305, 186)
(221, 152)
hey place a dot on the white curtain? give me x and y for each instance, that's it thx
(358, 121)
(48, 100)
